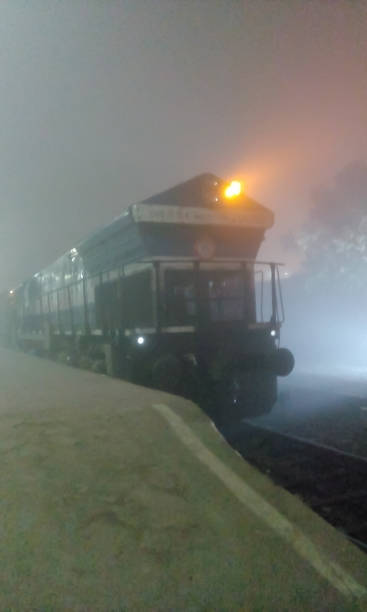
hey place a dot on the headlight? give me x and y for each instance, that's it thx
(140, 340)
(233, 189)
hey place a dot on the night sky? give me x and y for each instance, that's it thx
(106, 102)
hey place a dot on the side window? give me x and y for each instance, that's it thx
(108, 306)
(91, 287)
(77, 304)
(64, 309)
(137, 300)
(52, 300)
(45, 305)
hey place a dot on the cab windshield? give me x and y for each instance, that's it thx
(222, 295)
(212, 296)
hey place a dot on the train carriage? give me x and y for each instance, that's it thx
(170, 291)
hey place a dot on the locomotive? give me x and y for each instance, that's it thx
(169, 292)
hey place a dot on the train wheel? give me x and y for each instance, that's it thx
(251, 393)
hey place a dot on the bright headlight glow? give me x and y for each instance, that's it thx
(140, 339)
(233, 189)
(273, 333)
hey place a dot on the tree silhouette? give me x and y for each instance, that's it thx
(334, 238)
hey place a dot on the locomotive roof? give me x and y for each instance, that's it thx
(199, 191)
(169, 223)
(204, 191)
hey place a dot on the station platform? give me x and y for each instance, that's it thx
(117, 497)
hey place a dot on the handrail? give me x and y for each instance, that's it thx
(280, 293)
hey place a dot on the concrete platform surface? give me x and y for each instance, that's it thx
(115, 497)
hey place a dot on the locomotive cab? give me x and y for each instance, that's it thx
(219, 321)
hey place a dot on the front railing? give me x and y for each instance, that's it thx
(262, 295)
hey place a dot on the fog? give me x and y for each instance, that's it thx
(106, 103)
(327, 333)
(326, 300)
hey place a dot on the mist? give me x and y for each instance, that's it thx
(326, 299)
(324, 331)
(104, 104)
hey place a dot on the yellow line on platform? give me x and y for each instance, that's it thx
(306, 549)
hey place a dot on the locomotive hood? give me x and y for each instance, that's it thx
(202, 201)
(192, 219)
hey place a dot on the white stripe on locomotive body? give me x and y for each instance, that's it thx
(204, 265)
(174, 329)
(170, 329)
(138, 331)
(193, 215)
(137, 267)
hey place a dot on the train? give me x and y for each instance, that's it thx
(167, 295)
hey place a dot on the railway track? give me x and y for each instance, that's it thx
(333, 483)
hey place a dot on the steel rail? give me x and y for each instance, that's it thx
(336, 489)
(302, 440)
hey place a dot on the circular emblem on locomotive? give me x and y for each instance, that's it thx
(204, 247)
